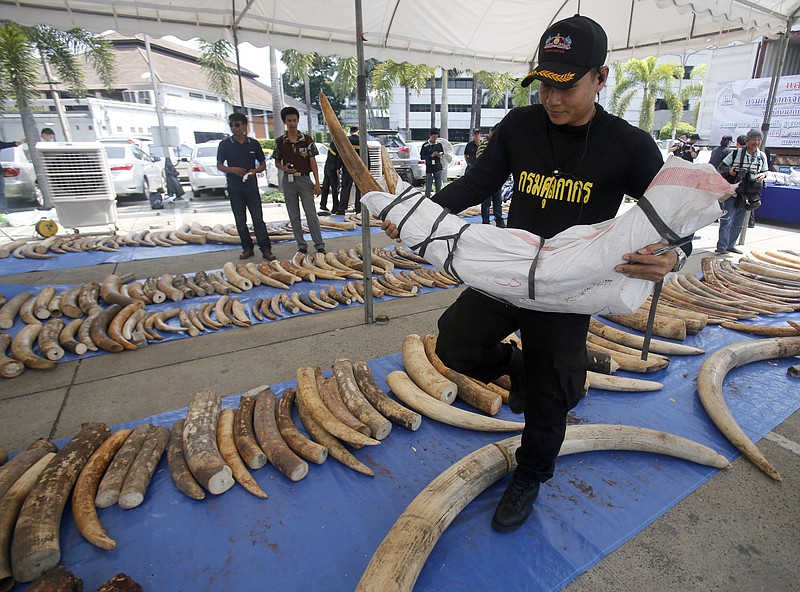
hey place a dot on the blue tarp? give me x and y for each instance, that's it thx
(88, 258)
(321, 532)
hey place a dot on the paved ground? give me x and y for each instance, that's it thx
(739, 532)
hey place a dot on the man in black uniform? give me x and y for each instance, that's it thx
(241, 158)
(347, 180)
(330, 184)
(471, 149)
(564, 175)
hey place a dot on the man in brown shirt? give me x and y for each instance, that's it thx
(295, 154)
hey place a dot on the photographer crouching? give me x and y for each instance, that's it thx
(748, 167)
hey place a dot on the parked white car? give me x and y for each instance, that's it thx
(459, 163)
(273, 178)
(19, 176)
(203, 173)
(134, 171)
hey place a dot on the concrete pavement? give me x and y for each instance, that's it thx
(740, 531)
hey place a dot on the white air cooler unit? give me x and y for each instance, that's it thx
(80, 183)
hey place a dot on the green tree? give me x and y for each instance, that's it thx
(411, 77)
(685, 92)
(21, 48)
(298, 67)
(214, 59)
(651, 79)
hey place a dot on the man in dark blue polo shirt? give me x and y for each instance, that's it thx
(241, 158)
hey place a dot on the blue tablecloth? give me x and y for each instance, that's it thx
(780, 203)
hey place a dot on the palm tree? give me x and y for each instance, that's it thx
(649, 77)
(693, 90)
(298, 66)
(214, 59)
(411, 77)
(22, 47)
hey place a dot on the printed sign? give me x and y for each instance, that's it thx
(740, 106)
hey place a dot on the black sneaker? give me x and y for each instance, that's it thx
(321, 250)
(735, 250)
(246, 254)
(302, 250)
(517, 502)
(266, 252)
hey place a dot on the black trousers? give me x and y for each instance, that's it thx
(344, 197)
(330, 184)
(243, 200)
(554, 353)
(496, 203)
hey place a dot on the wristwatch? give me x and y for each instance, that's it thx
(681, 259)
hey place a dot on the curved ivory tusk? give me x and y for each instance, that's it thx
(709, 387)
(399, 558)
(621, 383)
(355, 166)
(423, 403)
(656, 346)
(423, 373)
(22, 348)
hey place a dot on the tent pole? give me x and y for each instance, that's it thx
(361, 95)
(236, 48)
(773, 85)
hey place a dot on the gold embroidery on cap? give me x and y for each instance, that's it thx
(553, 76)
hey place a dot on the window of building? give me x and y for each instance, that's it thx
(195, 95)
(211, 98)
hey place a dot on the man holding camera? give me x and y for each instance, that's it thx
(748, 167)
(684, 147)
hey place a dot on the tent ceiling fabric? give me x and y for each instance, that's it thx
(496, 35)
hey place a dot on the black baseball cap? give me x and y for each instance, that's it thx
(568, 49)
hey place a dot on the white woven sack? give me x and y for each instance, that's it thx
(574, 271)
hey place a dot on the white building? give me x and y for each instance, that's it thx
(128, 109)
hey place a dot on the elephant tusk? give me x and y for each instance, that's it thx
(329, 392)
(637, 341)
(9, 367)
(10, 505)
(36, 546)
(709, 386)
(200, 444)
(227, 448)
(385, 405)
(423, 373)
(48, 339)
(243, 435)
(108, 490)
(303, 447)
(356, 402)
(621, 383)
(355, 166)
(84, 511)
(401, 555)
(176, 461)
(272, 443)
(144, 465)
(22, 348)
(9, 311)
(420, 401)
(110, 291)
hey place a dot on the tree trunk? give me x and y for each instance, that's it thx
(408, 112)
(443, 116)
(433, 100)
(62, 117)
(277, 93)
(32, 137)
(307, 84)
(476, 102)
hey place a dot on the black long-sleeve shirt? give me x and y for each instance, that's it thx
(598, 164)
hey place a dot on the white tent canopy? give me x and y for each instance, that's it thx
(494, 35)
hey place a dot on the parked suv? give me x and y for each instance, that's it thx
(399, 152)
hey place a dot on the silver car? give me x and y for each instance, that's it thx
(134, 172)
(19, 176)
(459, 163)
